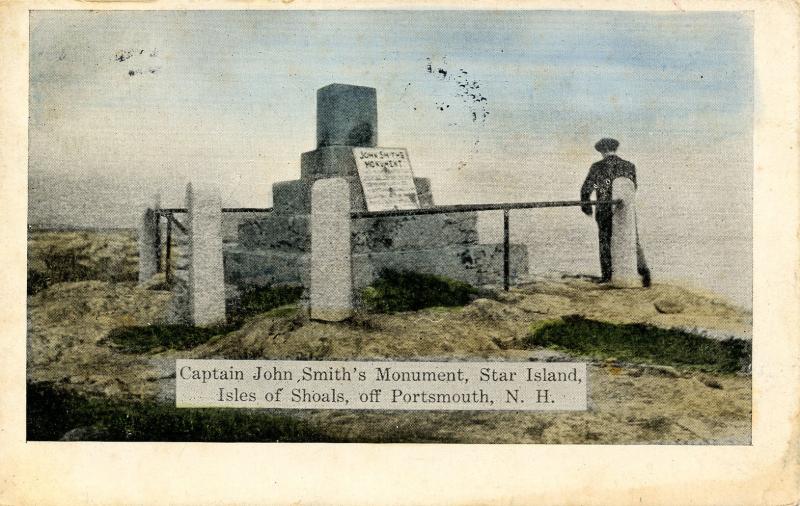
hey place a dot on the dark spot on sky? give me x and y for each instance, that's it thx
(131, 72)
(467, 90)
(126, 54)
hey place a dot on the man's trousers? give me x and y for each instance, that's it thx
(604, 230)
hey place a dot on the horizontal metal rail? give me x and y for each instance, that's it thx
(246, 209)
(462, 208)
(177, 210)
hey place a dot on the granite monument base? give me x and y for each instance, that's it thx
(476, 264)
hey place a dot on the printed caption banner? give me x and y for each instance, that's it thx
(297, 384)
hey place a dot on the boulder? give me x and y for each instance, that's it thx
(667, 306)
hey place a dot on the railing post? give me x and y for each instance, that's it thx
(506, 251)
(168, 255)
(331, 290)
(623, 235)
(157, 211)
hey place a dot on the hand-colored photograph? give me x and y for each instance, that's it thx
(418, 226)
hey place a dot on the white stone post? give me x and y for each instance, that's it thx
(331, 269)
(206, 275)
(148, 245)
(623, 235)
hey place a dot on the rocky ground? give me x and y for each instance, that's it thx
(629, 403)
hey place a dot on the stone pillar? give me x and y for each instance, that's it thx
(148, 245)
(331, 269)
(623, 235)
(206, 275)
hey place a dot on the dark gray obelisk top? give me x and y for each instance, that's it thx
(347, 115)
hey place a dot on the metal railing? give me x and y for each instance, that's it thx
(505, 207)
(169, 214)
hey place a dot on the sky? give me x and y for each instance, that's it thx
(125, 104)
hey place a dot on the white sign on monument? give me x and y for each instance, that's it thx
(386, 178)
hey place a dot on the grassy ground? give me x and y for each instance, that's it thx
(67, 256)
(396, 291)
(52, 413)
(100, 366)
(636, 342)
(160, 337)
(393, 292)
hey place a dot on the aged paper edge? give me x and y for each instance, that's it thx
(768, 472)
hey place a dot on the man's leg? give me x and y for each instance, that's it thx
(604, 235)
(641, 263)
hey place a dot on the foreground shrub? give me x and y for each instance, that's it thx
(396, 291)
(52, 412)
(641, 343)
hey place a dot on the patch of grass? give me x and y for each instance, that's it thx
(275, 301)
(37, 281)
(396, 291)
(641, 343)
(283, 311)
(52, 412)
(660, 424)
(262, 299)
(147, 338)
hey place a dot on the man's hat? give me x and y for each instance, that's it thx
(606, 145)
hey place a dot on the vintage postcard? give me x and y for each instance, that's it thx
(428, 225)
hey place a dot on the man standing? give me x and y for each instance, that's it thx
(601, 176)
